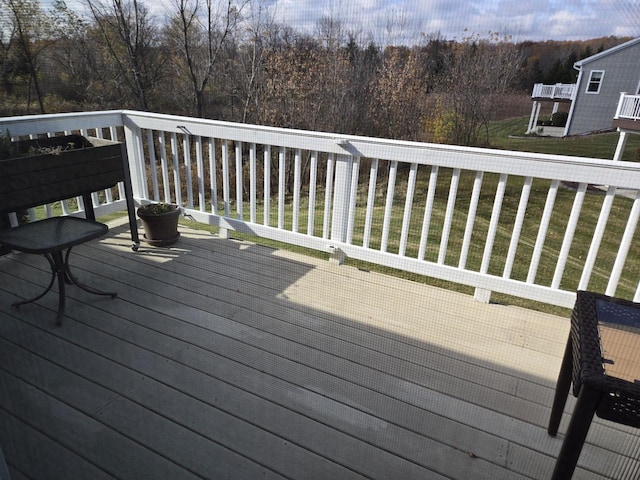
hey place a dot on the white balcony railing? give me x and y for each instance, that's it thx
(479, 217)
(628, 107)
(559, 91)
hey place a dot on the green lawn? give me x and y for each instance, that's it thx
(601, 145)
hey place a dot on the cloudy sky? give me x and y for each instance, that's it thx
(523, 19)
(403, 21)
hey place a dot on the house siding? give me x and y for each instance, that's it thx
(592, 112)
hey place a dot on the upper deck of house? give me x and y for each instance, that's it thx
(559, 92)
(628, 113)
(223, 358)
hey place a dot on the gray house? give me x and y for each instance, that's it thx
(601, 80)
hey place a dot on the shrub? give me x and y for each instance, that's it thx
(559, 119)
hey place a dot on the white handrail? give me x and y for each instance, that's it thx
(407, 205)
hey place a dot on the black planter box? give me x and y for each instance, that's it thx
(75, 152)
(84, 155)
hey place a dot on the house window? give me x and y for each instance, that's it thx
(595, 81)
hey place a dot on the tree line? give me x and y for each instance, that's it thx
(230, 60)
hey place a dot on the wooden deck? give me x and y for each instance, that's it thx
(224, 359)
(627, 124)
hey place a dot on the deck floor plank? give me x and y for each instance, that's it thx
(97, 443)
(372, 460)
(34, 455)
(226, 359)
(144, 378)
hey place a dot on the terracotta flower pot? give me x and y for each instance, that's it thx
(160, 227)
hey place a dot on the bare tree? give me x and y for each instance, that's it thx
(75, 57)
(399, 94)
(477, 75)
(8, 53)
(26, 28)
(364, 59)
(397, 27)
(257, 21)
(199, 31)
(330, 32)
(130, 36)
(334, 82)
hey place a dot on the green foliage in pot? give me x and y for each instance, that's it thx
(157, 208)
(40, 146)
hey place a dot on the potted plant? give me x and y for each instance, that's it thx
(160, 223)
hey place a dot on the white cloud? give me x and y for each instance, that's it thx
(524, 19)
(563, 24)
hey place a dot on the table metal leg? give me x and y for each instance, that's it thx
(62, 295)
(60, 270)
(562, 389)
(586, 405)
(46, 290)
(76, 282)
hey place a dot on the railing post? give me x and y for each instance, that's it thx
(620, 102)
(537, 87)
(532, 117)
(482, 295)
(133, 142)
(341, 197)
(535, 113)
(622, 142)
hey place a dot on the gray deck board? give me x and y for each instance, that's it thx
(225, 359)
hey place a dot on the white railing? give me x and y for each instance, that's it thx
(490, 219)
(560, 91)
(628, 107)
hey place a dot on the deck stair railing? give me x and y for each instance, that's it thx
(628, 107)
(497, 221)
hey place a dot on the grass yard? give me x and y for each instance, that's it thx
(602, 145)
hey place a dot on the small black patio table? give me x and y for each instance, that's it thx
(52, 237)
(602, 360)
